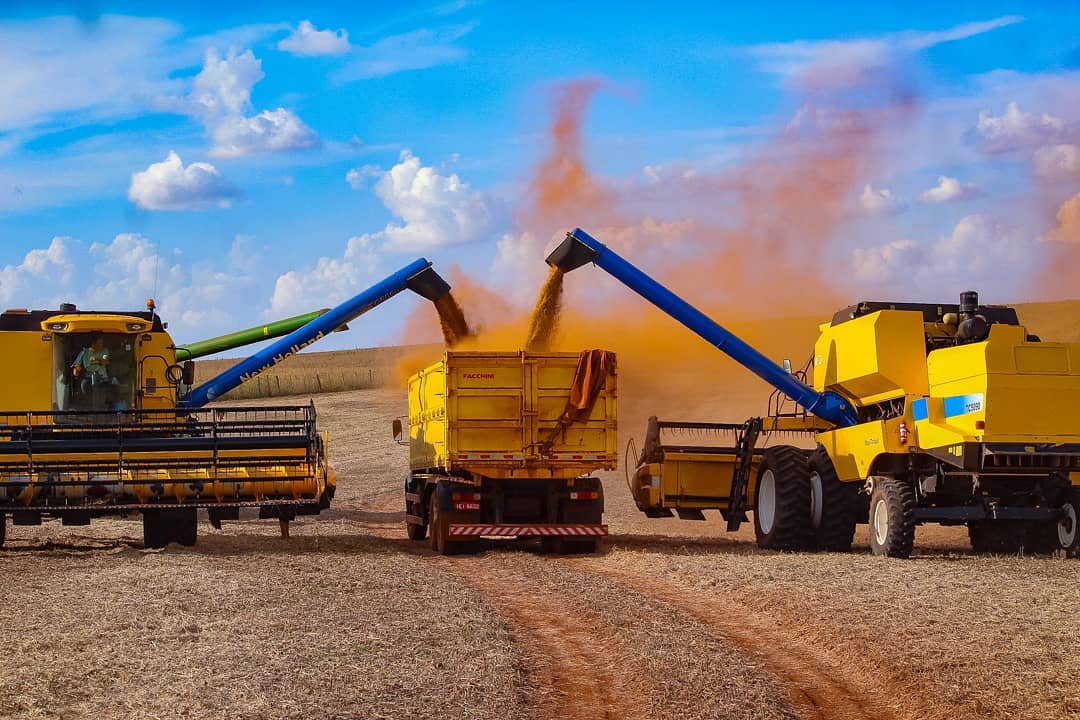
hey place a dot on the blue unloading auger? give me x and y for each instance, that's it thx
(417, 276)
(580, 248)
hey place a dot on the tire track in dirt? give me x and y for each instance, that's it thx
(569, 657)
(574, 659)
(818, 688)
(575, 665)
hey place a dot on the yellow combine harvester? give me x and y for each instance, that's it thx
(920, 413)
(502, 444)
(97, 418)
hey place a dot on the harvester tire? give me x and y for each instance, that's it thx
(1062, 536)
(997, 538)
(834, 505)
(781, 499)
(892, 517)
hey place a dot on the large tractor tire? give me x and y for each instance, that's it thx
(892, 517)
(834, 505)
(781, 499)
(1062, 536)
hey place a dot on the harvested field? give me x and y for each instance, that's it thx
(674, 619)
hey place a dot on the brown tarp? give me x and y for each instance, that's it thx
(593, 369)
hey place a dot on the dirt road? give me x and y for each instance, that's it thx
(673, 619)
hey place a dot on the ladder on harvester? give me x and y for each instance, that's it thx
(744, 453)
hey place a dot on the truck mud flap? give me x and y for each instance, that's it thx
(510, 530)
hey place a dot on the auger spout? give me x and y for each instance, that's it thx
(417, 276)
(579, 248)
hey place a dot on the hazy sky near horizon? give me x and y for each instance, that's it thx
(246, 162)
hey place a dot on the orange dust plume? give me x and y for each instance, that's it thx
(561, 182)
(1060, 275)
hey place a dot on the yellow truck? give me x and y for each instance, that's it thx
(502, 444)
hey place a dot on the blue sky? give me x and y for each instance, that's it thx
(244, 163)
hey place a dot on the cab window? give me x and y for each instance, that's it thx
(94, 371)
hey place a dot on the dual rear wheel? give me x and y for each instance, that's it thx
(801, 504)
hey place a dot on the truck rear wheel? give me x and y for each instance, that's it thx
(781, 499)
(892, 517)
(439, 538)
(416, 532)
(833, 505)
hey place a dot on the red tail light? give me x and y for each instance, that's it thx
(585, 495)
(466, 501)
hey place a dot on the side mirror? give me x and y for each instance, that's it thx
(787, 366)
(189, 373)
(398, 431)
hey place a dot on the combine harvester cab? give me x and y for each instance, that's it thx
(100, 419)
(502, 444)
(921, 413)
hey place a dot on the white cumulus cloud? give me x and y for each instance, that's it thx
(220, 98)
(331, 281)
(1058, 161)
(306, 39)
(169, 185)
(979, 252)
(269, 131)
(437, 210)
(49, 267)
(949, 189)
(1016, 129)
(885, 262)
(879, 201)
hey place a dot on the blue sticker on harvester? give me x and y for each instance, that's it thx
(963, 404)
(919, 410)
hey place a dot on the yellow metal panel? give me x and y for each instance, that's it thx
(1028, 391)
(853, 449)
(26, 360)
(873, 358)
(490, 413)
